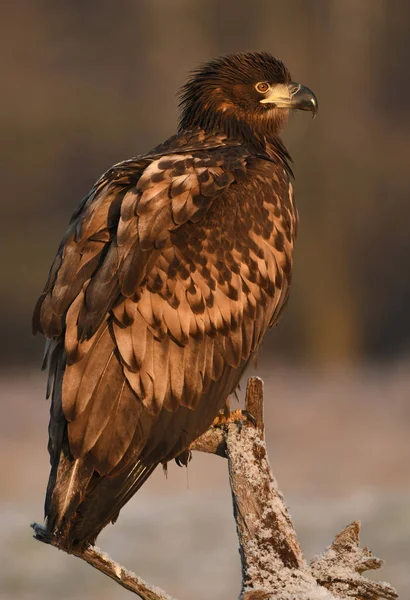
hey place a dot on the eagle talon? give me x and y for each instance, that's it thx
(249, 417)
(239, 417)
(184, 458)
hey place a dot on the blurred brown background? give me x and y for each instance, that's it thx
(86, 84)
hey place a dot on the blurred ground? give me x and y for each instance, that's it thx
(338, 444)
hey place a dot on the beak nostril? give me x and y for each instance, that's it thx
(294, 88)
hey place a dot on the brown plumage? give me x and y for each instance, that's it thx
(172, 268)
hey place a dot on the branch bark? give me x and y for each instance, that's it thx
(105, 564)
(273, 565)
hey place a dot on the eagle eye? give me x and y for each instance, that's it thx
(262, 87)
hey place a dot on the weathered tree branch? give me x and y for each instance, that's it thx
(212, 442)
(102, 562)
(269, 549)
(273, 566)
(340, 568)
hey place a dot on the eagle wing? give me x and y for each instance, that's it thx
(160, 292)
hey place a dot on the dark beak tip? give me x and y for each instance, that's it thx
(311, 104)
(304, 99)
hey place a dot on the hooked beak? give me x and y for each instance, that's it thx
(292, 95)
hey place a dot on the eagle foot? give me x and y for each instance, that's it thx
(239, 417)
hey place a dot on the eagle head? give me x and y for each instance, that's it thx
(247, 96)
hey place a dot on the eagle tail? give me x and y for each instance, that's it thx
(80, 502)
(104, 502)
(69, 478)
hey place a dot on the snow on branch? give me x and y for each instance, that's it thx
(273, 565)
(341, 566)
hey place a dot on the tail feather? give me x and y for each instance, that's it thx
(104, 503)
(79, 502)
(83, 502)
(69, 478)
(55, 357)
(67, 492)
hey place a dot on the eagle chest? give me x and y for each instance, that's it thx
(244, 241)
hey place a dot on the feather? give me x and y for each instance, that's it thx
(81, 378)
(177, 373)
(118, 433)
(86, 428)
(161, 376)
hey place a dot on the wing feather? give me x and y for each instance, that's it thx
(119, 431)
(176, 375)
